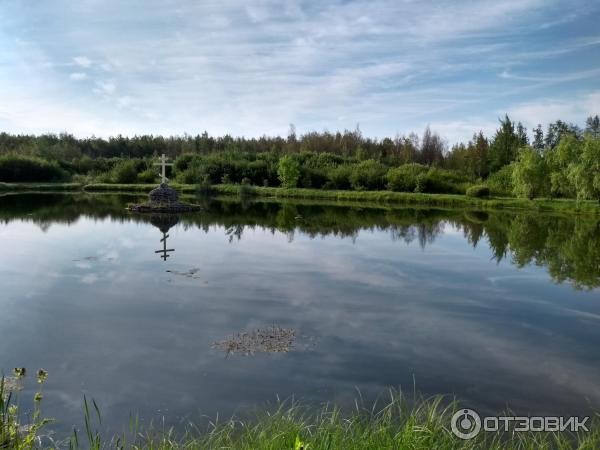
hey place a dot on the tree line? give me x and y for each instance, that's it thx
(561, 161)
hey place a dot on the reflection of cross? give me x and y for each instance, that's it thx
(164, 250)
(163, 163)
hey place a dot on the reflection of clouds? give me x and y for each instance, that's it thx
(128, 243)
(90, 278)
(383, 312)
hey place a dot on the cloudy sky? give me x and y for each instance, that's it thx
(252, 67)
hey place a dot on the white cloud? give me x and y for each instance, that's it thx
(105, 87)
(575, 110)
(78, 76)
(124, 102)
(82, 61)
(392, 66)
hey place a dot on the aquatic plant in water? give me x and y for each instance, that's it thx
(274, 339)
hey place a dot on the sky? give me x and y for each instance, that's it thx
(253, 67)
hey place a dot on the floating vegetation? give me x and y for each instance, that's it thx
(274, 339)
(188, 274)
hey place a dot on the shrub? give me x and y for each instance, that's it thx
(529, 174)
(440, 181)
(148, 175)
(124, 172)
(288, 172)
(340, 177)
(14, 168)
(478, 191)
(368, 175)
(500, 183)
(404, 178)
(312, 178)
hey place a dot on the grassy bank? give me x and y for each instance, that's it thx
(342, 196)
(386, 197)
(11, 187)
(391, 423)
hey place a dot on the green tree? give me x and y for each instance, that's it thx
(538, 138)
(586, 174)
(288, 172)
(592, 126)
(561, 160)
(505, 144)
(529, 173)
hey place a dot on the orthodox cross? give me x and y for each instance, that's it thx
(164, 250)
(163, 163)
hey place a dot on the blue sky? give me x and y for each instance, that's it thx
(252, 67)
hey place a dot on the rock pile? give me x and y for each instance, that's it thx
(163, 199)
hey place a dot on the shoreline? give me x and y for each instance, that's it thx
(588, 207)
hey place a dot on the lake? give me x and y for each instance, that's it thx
(499, 308)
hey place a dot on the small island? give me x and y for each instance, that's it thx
(163, 199)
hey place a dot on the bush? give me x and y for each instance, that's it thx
(500, 183)
(340, 177)
(440, 181)
(149, 175)
(289, 172)
(124, 172)
(405, 177)
(478, 191)
(368, 175)
(14, 168)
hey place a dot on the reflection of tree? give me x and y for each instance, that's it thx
(569, 247)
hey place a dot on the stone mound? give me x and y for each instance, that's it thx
(163, 199)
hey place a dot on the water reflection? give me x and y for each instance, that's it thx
(164, 222)
(455, 301)
(568, 247)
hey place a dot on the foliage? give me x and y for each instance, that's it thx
(500, 183)
(288, 172)
(14, 168)
(505, 143)
(395, 422)
(340, 177)
(561, 161)
(586, 174)
(478, 191)
(368, 175)
(404, 178)
(124, 172)
(14, 434)
(529, 174)
(325, 160)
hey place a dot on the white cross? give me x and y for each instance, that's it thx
(163, 163)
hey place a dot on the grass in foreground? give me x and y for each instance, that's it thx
(392, 423)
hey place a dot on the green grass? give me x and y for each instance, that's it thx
(437, 200)
(391, 423)
(395, 425)
(40, 187)
(381, 197)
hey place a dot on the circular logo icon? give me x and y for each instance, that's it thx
(466, 424)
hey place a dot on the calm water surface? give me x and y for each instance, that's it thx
(501, 309)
